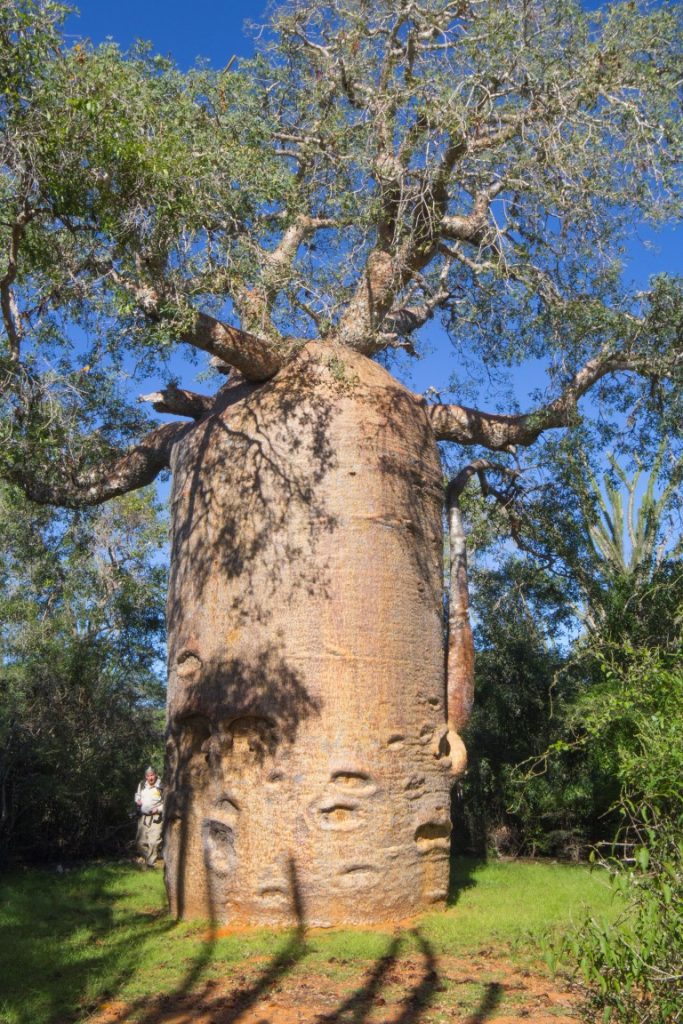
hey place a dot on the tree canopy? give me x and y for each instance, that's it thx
(372, 167)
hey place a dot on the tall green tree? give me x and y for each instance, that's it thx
(299, 219)
(597, 582)
(81, 693)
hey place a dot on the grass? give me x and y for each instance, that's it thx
(514, 903)
(70, 941)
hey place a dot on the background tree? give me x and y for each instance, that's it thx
(595, 581)
(81, 695)
(299, 220)
(624, 555)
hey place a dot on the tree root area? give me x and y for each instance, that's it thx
(425, 989)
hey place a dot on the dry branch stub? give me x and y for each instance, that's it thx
(309, 771)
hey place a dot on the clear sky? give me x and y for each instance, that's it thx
(214, 30)
(201, 28)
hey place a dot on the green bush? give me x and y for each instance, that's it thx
(632, 968)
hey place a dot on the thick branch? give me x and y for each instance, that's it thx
(499, 432)
(8, 306)
(371, 301)
(408, 317)
(256, 358)
(386, 274)
(472, 227)
(179, 402)
(293, 236)
(136, 468)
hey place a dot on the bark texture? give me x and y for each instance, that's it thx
(309, 765)
(460, 649)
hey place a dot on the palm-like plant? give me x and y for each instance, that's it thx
(630, 548)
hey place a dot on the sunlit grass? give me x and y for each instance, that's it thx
(69, 941)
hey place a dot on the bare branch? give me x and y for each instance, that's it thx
(256, 304)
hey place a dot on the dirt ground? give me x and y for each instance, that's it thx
(425, 989)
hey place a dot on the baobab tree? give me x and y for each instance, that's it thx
(299, 217)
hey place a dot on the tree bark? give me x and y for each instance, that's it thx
(308, 737)
(135, 468)
(499, 432)
(460, 641)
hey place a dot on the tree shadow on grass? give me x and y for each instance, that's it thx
(355, 1009)
(184, 998)
(493, 993)
(186, 1001)
(59, 908)
(360, 1007)
(462, 876)
(46, 920)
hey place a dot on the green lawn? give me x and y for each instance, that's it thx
(69, 941)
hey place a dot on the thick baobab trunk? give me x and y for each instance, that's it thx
(309, 769)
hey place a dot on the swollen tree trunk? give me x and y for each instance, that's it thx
(309, 763)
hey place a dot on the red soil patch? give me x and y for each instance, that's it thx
(403, 990)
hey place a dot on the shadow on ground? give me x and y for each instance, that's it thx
(69, 948)
(259, 1002)
(56, 944)
(403, 982)
(462, 877)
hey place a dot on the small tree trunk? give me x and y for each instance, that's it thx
(460, 651)
(308, 758)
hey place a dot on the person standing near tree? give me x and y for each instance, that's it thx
(149, 799)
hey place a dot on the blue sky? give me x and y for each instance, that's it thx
(206, 28)
(214, 29)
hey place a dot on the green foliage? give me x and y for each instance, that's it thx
(629, 578)
(81, 648)
(633, 968)
(133, 194)
(630, 556)
(122, 177)
(524, 687)
(558, 630)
